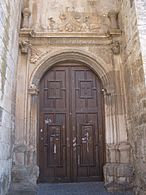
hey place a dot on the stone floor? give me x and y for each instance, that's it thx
(91, 188)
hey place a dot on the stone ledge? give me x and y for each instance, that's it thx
(36, 34)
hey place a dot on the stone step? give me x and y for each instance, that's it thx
(90, 188)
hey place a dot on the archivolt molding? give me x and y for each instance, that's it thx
(96, 63)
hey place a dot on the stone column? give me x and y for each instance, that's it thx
(118, 171)
(25, 170)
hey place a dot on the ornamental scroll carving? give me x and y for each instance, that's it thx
(35, 54)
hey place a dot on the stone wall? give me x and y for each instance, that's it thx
(132, 22)
(9, 25)
(140, 6)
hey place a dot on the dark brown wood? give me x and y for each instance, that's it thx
(71, 130)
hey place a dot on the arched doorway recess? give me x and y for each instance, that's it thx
(71, 124)
(117, 148)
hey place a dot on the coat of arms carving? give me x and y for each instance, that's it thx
(73, 21)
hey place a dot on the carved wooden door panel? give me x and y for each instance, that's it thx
(54, 155)
(71, 125)
(87, 125)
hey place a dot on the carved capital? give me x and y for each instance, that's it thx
(24, 46)
(33, 90)
(116, 48)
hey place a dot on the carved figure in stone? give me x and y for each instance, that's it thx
(62, 17)
(35, 53)
(24, 46)
(51, 24)
(85, 24)
(116, 48)
(33, 90)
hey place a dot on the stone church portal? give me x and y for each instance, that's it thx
(72, 94)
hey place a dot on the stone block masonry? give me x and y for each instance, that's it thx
(141, 21)
(134, 66)
(9, 26)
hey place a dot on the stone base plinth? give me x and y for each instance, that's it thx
(118, 176)
(17, 189)
(22, 192)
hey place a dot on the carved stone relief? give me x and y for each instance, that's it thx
(33, 90)
(24, 46)
(116, 47)
(69, 16)
(73, 21)
(35, 54)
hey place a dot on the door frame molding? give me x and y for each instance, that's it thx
(96, 64)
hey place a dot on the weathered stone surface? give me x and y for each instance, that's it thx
(25, 189)
(118, 176)
(9, 27)
(133, 56)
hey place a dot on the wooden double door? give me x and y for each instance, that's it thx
(71, 129)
